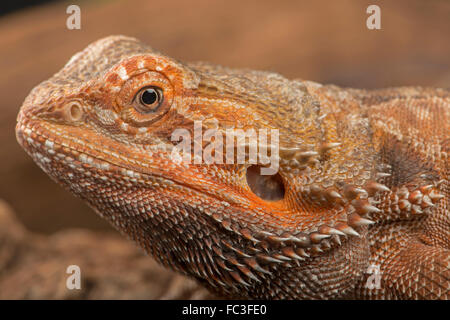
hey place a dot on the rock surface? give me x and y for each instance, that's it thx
(34, 266)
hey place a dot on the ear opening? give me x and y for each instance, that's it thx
(267, 187)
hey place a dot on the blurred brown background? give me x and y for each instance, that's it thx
(324, 41)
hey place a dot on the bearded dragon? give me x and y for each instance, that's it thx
(358, 207)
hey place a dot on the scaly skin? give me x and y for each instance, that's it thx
(363, 178)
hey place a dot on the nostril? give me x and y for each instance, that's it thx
(74, 111)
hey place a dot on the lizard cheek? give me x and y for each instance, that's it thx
(267, 187)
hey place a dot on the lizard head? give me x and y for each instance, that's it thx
(104, 127)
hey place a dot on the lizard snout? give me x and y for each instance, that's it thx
(68, 112)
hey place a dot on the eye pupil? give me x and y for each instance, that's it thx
(149, 96)
(148, 100)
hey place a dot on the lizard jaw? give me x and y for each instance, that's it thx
(32, 136)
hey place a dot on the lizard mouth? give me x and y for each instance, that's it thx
(66, 156)
(88, 164)
(61, 152)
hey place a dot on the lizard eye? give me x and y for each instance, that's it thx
(145, 98)
(149, 100)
